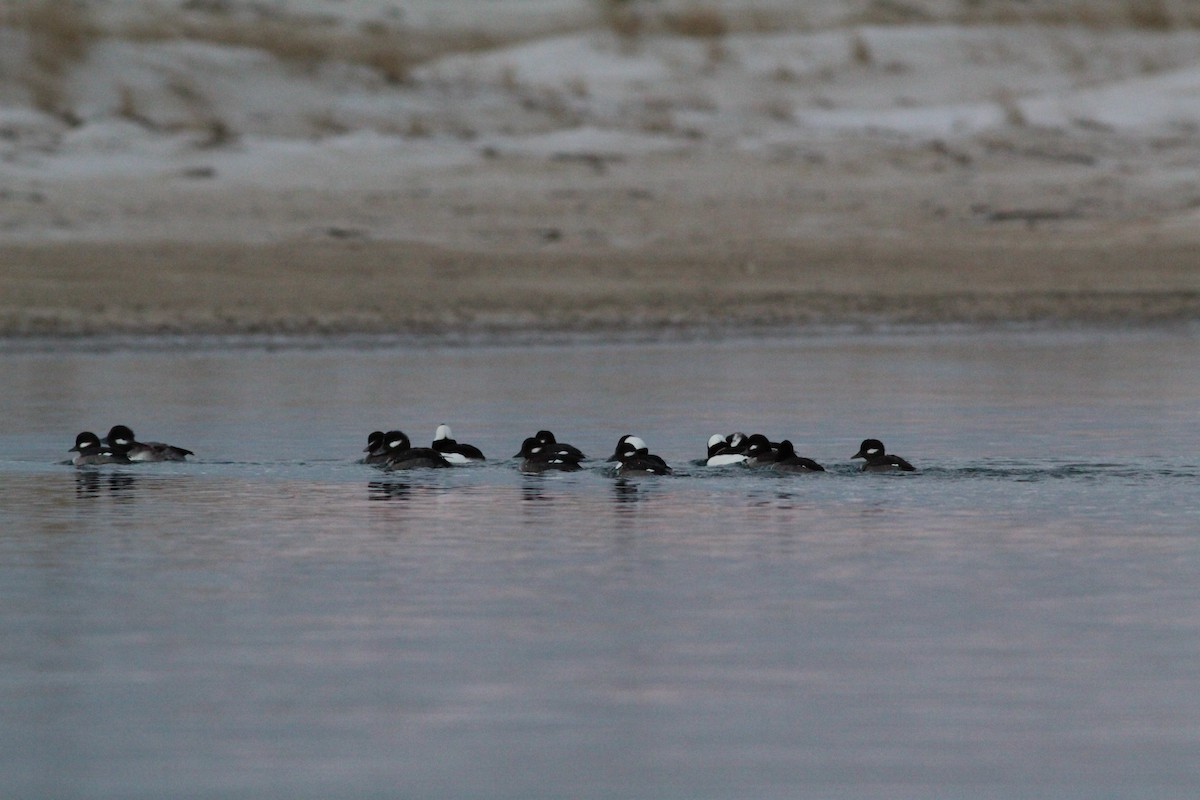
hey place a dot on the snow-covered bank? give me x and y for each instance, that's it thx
(552, 135)
(167, 93)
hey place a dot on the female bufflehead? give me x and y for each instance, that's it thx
(121, 439)
(726, 450)
(453, 451)
(538, 456)
(878, 459)
(90, 451)
(635, 458)
(760, 451)
(402, 455)
(376, 449)
(786, 460)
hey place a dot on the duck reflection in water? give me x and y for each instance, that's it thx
(533, 489)
(389, 490)
(625, 492)
(94, 483)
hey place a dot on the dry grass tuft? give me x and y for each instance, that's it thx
(784, 74)
(630, 19)
(419, 128)
(860, 51)
(325, 123)
(1151, 15)
(59, 34)
(306, 43)
(216, 134)
(779, 109)
(715, 54)
(698, 23)
(622, 18)
(892, 12)
(1013, 115)
(1147, 15)
(578, 87)
(389, 58)
(129, 109)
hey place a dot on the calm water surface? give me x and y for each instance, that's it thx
(1020, 618)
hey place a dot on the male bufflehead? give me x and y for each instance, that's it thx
(760, 451)
(376, 449)
(786, 460)
(626, 443)
(402, 455)
(121, 439)
(539, 456)
(453, 451)
(546, 438)
(635, 458)
(726, 450)
(878, 459)
(89, 451)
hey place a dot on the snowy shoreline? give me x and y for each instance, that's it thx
(555, 155)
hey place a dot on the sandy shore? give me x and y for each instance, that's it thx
(860, 174)
(402, 288)
(647, 242)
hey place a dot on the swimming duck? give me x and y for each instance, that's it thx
(453, 451)
(786, 460)
(122, 440)
(726, 450)
(546, 438)
(376, 449)
(878, 459)
(636, 458)
(539, 456)
(622, 446)
(760, 451)
(89, 451)
(402, 455)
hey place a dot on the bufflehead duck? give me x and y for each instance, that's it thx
(878, 459)
(635, 458)
(376, 449)
(725, 450)
(546, 438)
(786, 460)
(90, 451)
(453, 451)
(121, 439)
(760, 451)
(626, 443)
(538, 456)
(402, 455)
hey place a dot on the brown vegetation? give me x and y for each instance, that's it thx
(699, 22)
(58, 33)
(1148, 15)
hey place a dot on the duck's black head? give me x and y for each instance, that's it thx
(119, 435)
(870, 448)
(85, 440)
(396, 441)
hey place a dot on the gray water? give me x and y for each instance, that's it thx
(1020, 618)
